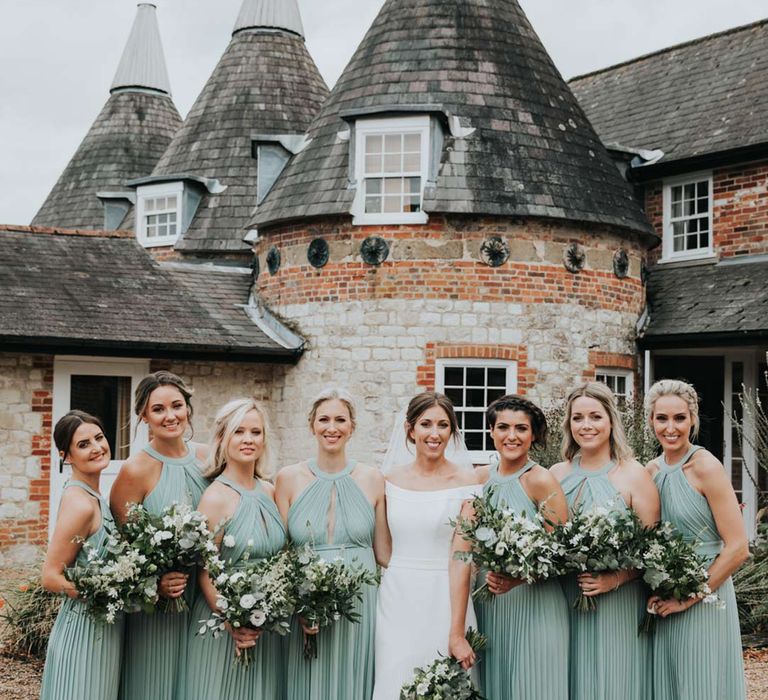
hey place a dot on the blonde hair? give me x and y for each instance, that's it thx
(620, 449)
(330, 393)
(674, 387)
(228, 420)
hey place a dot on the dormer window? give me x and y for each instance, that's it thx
(688, 217)
(391, 169)
(159, 214)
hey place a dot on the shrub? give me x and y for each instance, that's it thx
(27, 616)
(751, 584)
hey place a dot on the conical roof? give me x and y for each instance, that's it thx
(274, 14)
(125, 142)
(143, 63)
(532, 152)
(265, 83)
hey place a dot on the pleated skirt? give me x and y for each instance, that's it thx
(343, 669)
(211, 671)
(527, 652)
(83, 657)
(607, 657)
(697, 653)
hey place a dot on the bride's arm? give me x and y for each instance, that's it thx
(382, 540)
(459, 575)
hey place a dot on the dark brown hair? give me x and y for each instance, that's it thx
(514, 402)
(420, 403)
(66, 427)
(154, 381)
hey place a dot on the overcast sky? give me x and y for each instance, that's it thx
(58, 58)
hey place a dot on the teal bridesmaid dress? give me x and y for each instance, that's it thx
(527, 628)
(211, 675)
(83, 657)
(696, 653)
(343, 669)
(608, 659)
(156, 644)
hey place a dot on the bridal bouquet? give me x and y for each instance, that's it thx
(113, 582)
(600, 540)
(673, 569)
(327, 591)
(177, 539)
(508, 543)
(257, 595)
(444, 678)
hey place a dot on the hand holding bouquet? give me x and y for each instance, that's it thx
(328, 591)
(602, 539)
(259, 595)
(444, 678)
(113, 582)
(507, 543)
(177, 539)
(673, 569)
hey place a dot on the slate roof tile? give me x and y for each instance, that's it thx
(704, 96)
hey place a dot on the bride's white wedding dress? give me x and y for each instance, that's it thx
(413, 613)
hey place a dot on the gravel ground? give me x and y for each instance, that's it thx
(20, 680)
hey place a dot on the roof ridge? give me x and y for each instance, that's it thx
(56, 231)
(683, 44)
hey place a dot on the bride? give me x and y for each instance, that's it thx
(424, 606)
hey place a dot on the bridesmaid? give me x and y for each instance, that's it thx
(608, 659)
(337, 505)
(697, 648)
(239, 497)
(526, 625)
(166, 470)
(83, 657)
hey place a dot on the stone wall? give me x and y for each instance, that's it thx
(378, 330)
(26, 388)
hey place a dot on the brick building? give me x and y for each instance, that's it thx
(447, 217)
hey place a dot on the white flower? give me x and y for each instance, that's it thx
(258, 618)
(222, 603)
(161, 535)
(422, 688)
(229, 541)
(247, 601)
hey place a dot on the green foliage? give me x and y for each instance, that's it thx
(639, 435)
(751, 583)
(27, 616)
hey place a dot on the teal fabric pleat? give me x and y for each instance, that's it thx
(155, 648)
(210, 673)
(343, 669)
(608, 659)
(83, 657)
(697, 653)
(527, 628)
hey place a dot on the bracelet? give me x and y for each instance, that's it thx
(616, 574)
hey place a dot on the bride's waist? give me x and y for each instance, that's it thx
(398, 561)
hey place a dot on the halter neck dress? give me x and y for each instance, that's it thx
(697, 653)
(211, 675)
(413, 616)
(527, 628)
(335, 517)
(608, 659)
(83, 657)
(156, 643)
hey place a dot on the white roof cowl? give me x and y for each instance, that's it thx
(142, 65)
(270, 14)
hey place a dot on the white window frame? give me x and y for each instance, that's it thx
(627, 374)
(478, 456)
(148, 192)
(384, 127)
(63, 369)
(668, 252)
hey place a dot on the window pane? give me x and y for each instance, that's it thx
(677, 210)
(474, 420)
(373, 205)
(412, 143)
(373, 186)
(172, 217)
(411, 162)
(620, 385)
(474, 441)
(392, 163)
(373, 164)
(170, 202)
(454, 376)
(475, 398)
(494, 394)
(690, 191)
(412, 204)
(704, 239)
(149, 205)
(475, 376)
(702, 189)
(373, 144)
(393, 205)
(393, 185)
(703, 206)
(497, 376)
(393, 143)
(414, 185)
(677, 193)
(690, 207)
(456, 396)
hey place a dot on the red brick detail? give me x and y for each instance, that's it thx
(35, 531)
(610, 360)
(425, 373)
